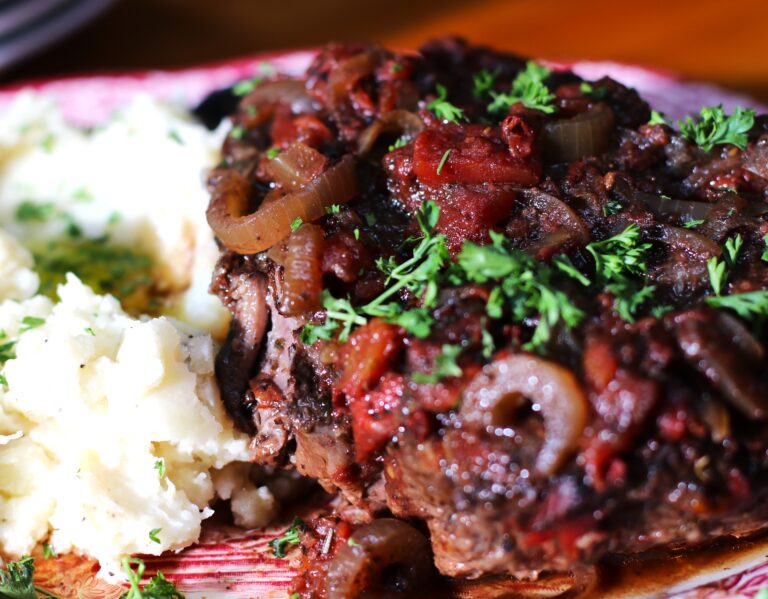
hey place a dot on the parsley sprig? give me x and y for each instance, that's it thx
(17, 580)
(292, 536)
(483, 82)
(158, 587)
(523, 284)
(445, 366)
(529, 88)
(719, 269)
(619, 261)
(418, 274)
(443, 109)
(714, 127)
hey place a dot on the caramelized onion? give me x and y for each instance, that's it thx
(303, 273)
(296, 166)
(756, 158)
(502, 386)
(290, 92)
(400, 122)
(571, 228)
(586, 134)
(350, 71)
(694, 210)
(385, 546)
(685, 269)
(260, 230)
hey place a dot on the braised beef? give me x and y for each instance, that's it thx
(666, 381)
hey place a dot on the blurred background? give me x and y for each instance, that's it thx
(723, 42)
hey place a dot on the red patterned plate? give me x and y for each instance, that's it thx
(238, 564)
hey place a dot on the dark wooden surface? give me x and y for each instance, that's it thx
(721, 41)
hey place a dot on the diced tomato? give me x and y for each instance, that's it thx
(375, 415)
(367, 355)
(474, 155)
(468, 212)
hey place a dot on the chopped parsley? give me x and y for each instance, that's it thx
(160, 467)
(694, 223)
(237, 132)
(714, 127)
(443, 109)
(272, 153)
(483, 82)
(333, 209)
(419, 274)
(17, 580)
(764, 255)
(153, 535)
(175, 136)
(445, 366)
(356, 233)
(732, 247)
(400, 142)
(598, 93)
(296, 223)
(750, 305)
(105, 267)
(718, 269)
(617, 260)
(246, 86)
(158, 587)
(3, 381)
(30, 322)
(612, 207)
(90, 331)
(396, 67)
(524, 284)
(657, 118)
(717, 274)
(49, 551)
(529, 89)
(29, 211)
(352, 543)
(290, 537)
(443, 160)
(47, 143)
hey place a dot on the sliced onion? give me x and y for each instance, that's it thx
(385, 546)
(586, 134)
(690, 242)
(694, 210)
(296, 166)
(572, 227)
(290, 92)
(756, 158)
(303, 274)
(260, 230)
(401, 122)
(350, 71)
(502, 387)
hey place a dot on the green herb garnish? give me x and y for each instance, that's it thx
(445, 366)
(17, 580)
(157, 588)
(714, 127)
(528, 87)
(29, 211)
(30, 322)
(483, 82)
(296, 223)
(443, 109)
(290, 537)
(153, 535)
(657, 118)
(443, 160)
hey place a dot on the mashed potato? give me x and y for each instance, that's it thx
(138, 180)
(113, 440)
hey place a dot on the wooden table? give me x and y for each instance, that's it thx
(725, 42)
